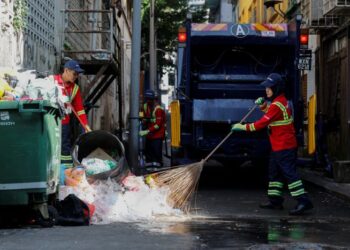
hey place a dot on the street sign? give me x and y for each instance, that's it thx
(305, 59)
(305, 52)
(304, 63)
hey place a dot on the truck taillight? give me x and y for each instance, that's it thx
(182, 36)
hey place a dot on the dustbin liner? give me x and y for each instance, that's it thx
(88, 142)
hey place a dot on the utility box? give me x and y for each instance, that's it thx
(30, 146)
(341, 171)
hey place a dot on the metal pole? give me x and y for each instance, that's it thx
(152, 52)
(135, 84)
(156, 87)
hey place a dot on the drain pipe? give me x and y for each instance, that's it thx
(135, 86)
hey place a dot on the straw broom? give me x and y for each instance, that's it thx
(183, 180)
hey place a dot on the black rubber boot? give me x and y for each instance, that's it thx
(301, 208)
(269, 205)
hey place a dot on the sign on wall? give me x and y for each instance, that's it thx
(305, 57)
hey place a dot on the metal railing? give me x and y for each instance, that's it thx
(336, 7)
(314, 17)
(89, 34)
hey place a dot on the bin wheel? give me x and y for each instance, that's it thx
(51, 221)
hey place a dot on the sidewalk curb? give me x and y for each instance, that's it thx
(341, 189)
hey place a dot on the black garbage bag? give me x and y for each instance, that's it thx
(72, 211)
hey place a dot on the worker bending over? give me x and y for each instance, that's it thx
(73, 100)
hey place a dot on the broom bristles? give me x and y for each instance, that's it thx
(182, 182)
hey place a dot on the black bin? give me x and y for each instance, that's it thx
(88, 142)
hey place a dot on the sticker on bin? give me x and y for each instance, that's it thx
(4, 116)
(4, 119)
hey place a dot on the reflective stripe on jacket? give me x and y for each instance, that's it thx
(155, 121)
(73, 94)
(278, 118)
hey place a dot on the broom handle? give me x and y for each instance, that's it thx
(77, 116)
(229, 134)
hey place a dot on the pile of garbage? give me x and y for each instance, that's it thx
(100, 180)
(131, 198)
(28, 84)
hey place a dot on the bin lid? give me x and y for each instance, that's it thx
(29, 105)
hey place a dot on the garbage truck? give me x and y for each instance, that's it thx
(219, 70)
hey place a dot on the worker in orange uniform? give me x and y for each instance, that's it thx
(154, 129)
(73, 100)
(278, 118)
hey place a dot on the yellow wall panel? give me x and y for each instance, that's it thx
(254, 11)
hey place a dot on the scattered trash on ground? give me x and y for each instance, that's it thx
(131, 200)
(101, 177)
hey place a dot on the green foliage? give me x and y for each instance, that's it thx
(169, 16)
(20, 10)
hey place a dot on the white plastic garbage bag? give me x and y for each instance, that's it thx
(44, 88)
(96, 166)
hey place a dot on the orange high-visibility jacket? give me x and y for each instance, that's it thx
(155, 121)
(278, 118)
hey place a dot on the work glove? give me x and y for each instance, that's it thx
(260, 101)
(87, 129)
(238, 127)
(144, 132)
(57, 113)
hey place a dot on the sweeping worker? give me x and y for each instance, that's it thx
(153, 129)
(282, 166)
(70, 95)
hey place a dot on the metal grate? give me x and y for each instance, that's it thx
(89, 34)
(39, 35)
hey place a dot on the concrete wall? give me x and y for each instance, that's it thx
(226, 11)
(9, 48)
(34, 47)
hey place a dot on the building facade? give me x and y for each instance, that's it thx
(330, 20)
(28, 35)
(42, 35)
(222, 11)
(254, 11)
(9, 39)
(98, 35)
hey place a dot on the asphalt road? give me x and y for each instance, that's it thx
(225, 216)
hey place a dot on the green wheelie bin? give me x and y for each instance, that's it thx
(30, 148)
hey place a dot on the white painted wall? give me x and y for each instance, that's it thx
(33, 47)
(226, 11)
(311, 75)
(8, 40)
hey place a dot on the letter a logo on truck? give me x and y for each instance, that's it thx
(240, 31)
